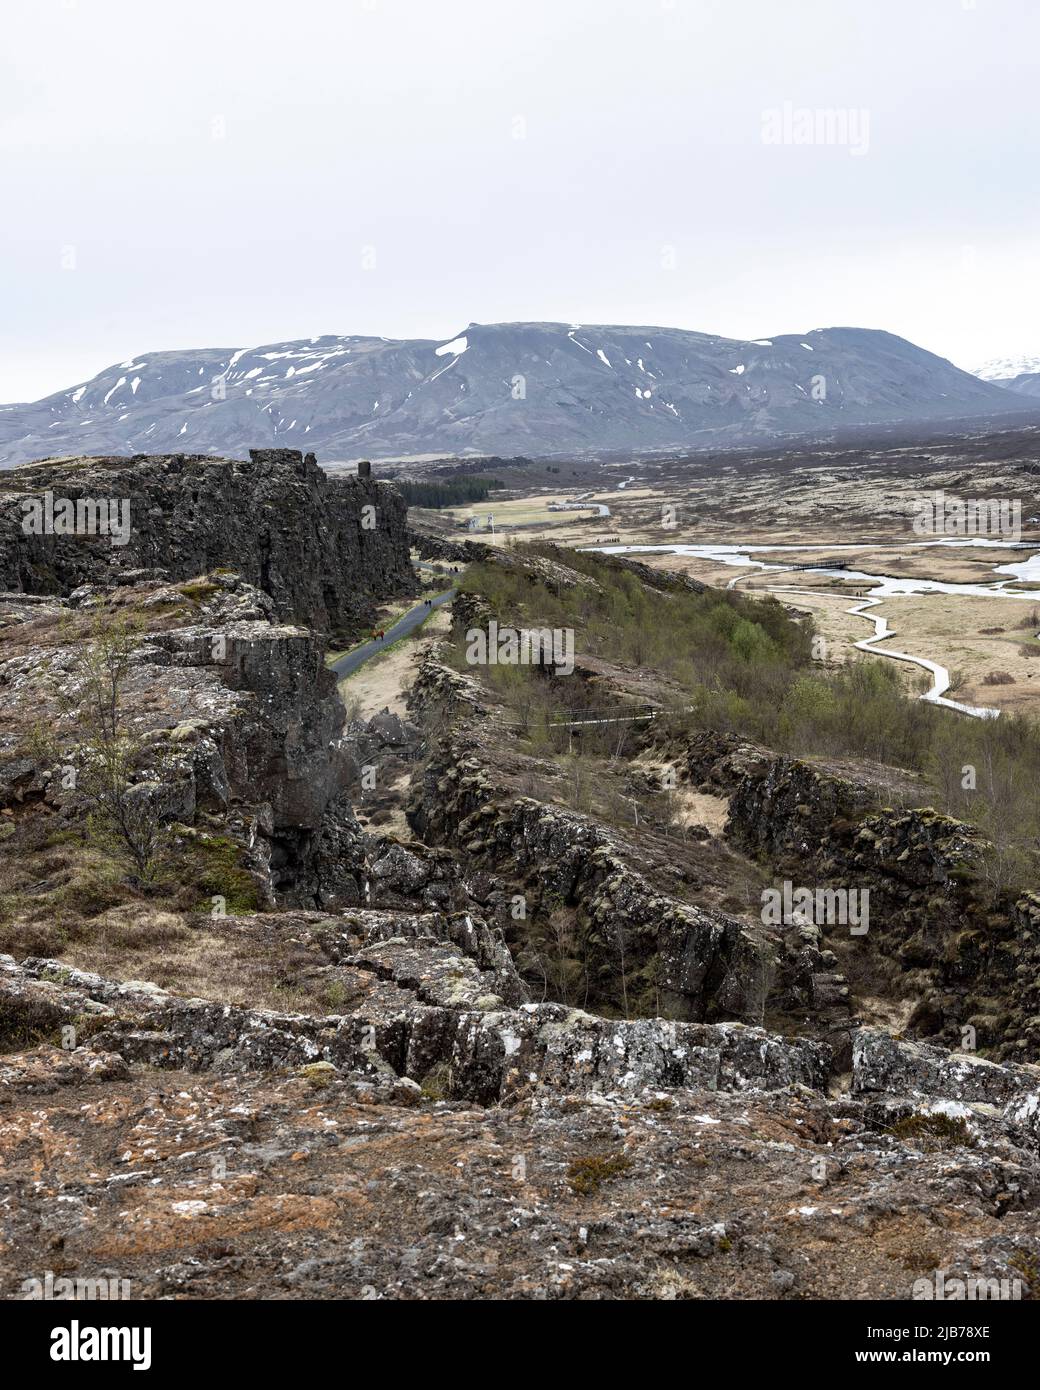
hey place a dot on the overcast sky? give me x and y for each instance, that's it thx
(234, 172)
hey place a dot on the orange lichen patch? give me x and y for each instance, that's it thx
(914, 1241)
(163, 1224)
(35, 1141)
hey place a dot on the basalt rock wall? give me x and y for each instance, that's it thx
(325, 549)
(966, 947)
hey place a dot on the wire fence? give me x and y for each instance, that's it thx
(576, 718)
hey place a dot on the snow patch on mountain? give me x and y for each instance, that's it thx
(457, 346)
(1005, 368)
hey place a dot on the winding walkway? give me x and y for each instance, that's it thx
(936, 693)
(354, 659)
(940, 674)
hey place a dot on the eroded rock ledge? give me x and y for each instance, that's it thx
(433, 1143)
(238, 711)
(420, 1008)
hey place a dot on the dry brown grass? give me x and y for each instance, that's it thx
(60, 627)
(236, 960)
(244, 960)
(63, 896)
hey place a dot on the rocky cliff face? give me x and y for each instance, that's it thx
(968, 954)
(644, 948)
(704, 964)
(237, 714)
(324, 549)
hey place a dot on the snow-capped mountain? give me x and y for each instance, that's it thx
(1006, 368)
(1018, 374)
(514, 388)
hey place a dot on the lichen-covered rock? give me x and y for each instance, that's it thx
(238, 715)
(468, 933)
(885, 1065)
(311, 1183)
(434, 1007)
(46, 1069)
(548, 1044)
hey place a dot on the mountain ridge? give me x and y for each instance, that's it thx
(527, 387)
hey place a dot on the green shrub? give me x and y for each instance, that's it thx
(587, 1175)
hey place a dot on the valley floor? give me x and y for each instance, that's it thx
(851, 508)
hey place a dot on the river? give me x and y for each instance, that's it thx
(884, 586)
